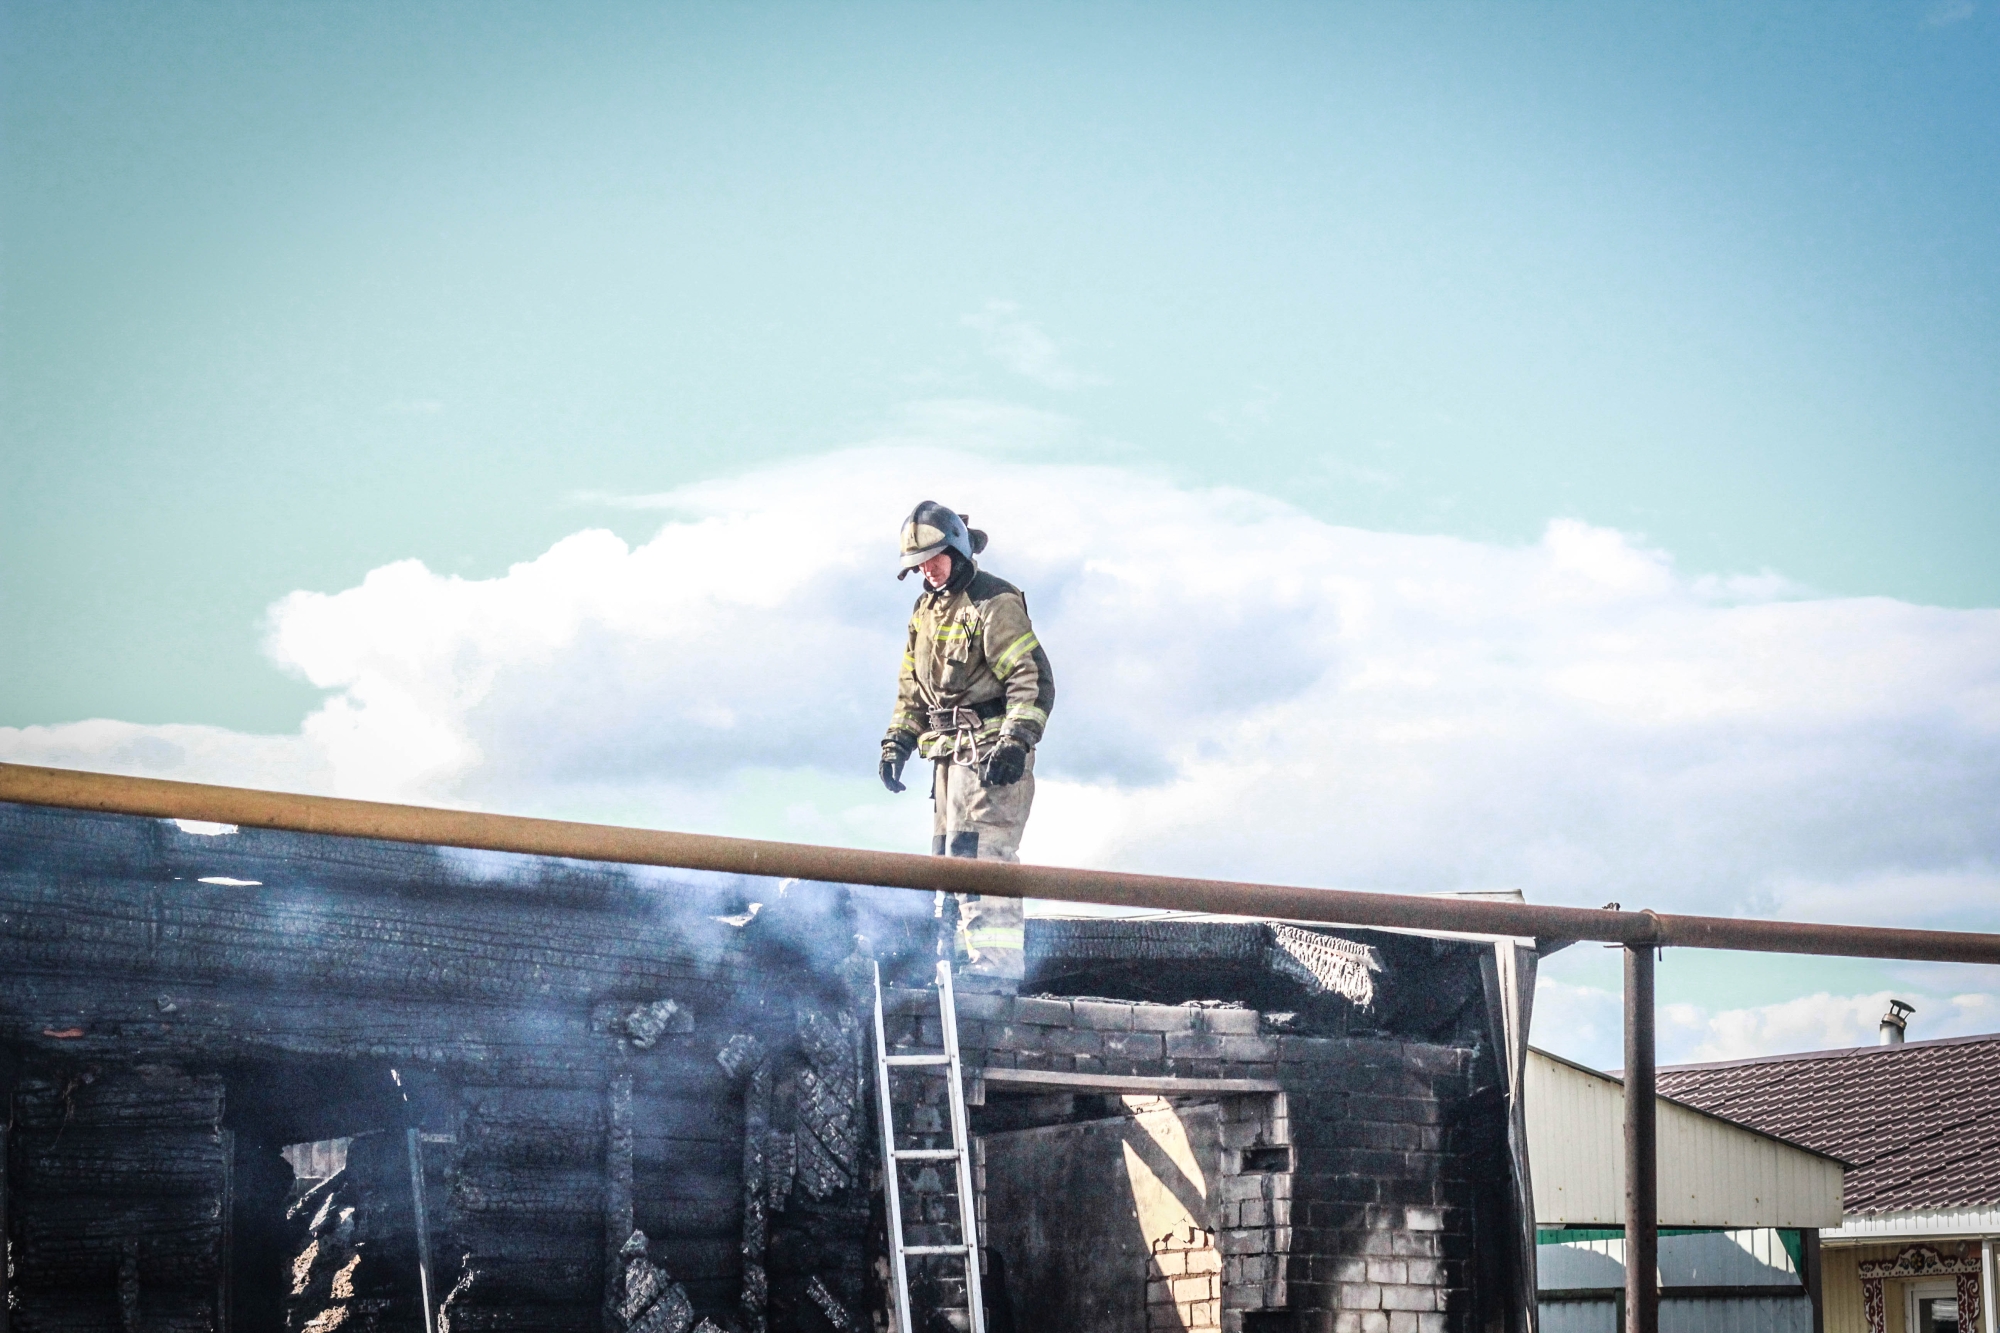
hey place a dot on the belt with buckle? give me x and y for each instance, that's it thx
(966, 717)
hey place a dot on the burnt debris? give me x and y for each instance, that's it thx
(642, 1101)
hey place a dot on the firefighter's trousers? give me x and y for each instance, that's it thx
(985, 823)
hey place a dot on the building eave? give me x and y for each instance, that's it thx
(1915, 1224)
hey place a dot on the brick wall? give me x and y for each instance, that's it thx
(1364, 1226)
(1111, 1037)
(1253, 1203)
(1185, 1292)
(1382, 1228)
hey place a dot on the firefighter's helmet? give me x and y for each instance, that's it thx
(932, 528)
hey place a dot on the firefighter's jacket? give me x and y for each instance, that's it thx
(972, 671)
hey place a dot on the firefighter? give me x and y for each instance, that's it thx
(973, 698)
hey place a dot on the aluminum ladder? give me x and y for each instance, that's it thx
(947, 1061)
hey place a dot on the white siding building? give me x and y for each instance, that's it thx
(1740, 1212)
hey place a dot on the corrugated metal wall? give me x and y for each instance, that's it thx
(1712, 1173)
(1776, 1315)
(1746, 1258)
(1579, 1317)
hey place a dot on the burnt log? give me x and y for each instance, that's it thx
(165, 1224)
(346, 944)
(185, 1261)
(533, 1281)
(682, 1218)
(697, 1258)
(117, 1178)
(563, 1200)
(84, 1019)
(499, 1243)
(524, 1318)
(533, 1126)
(78, 1020)
(155, 1098)
(101, 1311)
(117, 1165)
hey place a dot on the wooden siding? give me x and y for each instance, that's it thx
(1712, 1172)
(1840, 1279)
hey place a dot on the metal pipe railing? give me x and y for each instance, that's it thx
(337, 816)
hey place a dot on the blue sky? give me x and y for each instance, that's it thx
(291, 293)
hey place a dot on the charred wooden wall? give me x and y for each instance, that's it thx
(117, 1184)
(174, 1002)
(587, 1051)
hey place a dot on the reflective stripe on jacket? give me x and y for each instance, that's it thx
(969, 646)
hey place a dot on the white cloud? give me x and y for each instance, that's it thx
(193, 753)
(1585, 1023)
(1020, 345)
(1818, 1022)
(1945, 13)
(1244, 691)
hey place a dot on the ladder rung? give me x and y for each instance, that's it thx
(917, 1060)
(933, 1249)
(925, 1154)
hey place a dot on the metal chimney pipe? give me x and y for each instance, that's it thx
(1895, 1022)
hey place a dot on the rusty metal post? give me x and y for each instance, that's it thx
(1642, 1182)
(1814, 1276)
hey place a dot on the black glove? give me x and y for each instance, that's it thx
(1005, 765)
(894, 756)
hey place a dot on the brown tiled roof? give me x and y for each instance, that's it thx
(1919, 1123)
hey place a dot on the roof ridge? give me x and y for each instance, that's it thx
(1840, 1052)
